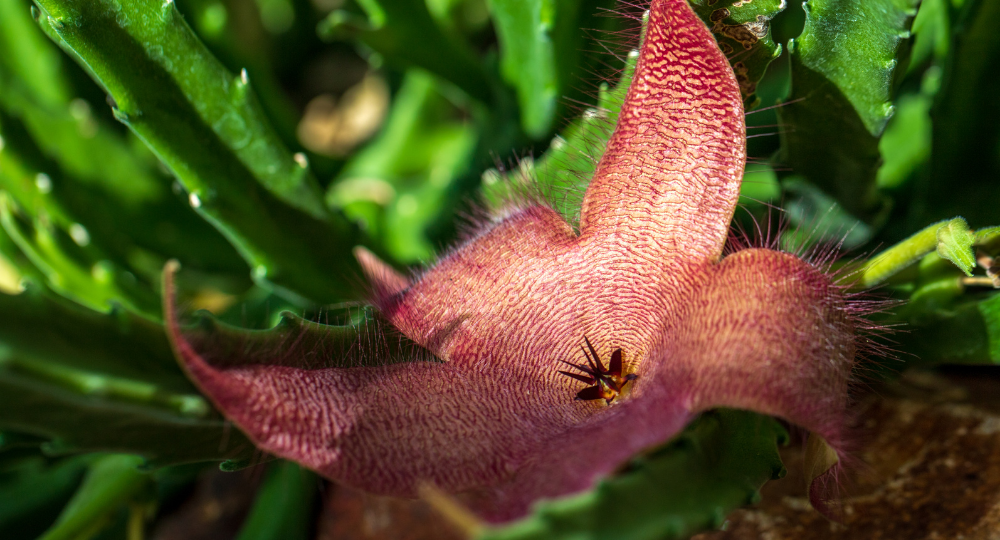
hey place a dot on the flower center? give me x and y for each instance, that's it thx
(602, 383)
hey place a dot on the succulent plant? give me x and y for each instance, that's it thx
(493, 322)
(585, 344)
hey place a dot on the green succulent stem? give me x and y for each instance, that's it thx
(112, 388)
(283, 507)
(392, 29)
(118, 344)
(842, 70)
(74, 422)
(952, 239)
(111, 483)
(206, 125)
(988, 237)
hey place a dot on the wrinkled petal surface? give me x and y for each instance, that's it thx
(502, 442)
(483, 412)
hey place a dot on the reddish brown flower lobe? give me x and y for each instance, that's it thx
(494, 420)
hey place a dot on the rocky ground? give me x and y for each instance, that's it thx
(930, 468)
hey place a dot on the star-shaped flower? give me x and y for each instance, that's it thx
(491, 413)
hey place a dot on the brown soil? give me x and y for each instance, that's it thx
(929, 468)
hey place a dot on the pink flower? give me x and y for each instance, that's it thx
(490, 414)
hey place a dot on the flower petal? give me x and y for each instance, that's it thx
(383, 428)
(498, 291)
(576, 458)
(748, 339)
(673, 166)
(499, 440)
(385, 280)
(770, 333)
(494, 420)
(822, 464)
(389, 429)
(526, 291)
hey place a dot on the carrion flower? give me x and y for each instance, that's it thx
(656, 324)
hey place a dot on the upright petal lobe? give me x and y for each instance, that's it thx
(673, 166)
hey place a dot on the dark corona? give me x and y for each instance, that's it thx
(603, 383)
